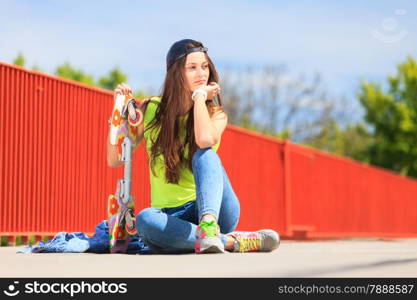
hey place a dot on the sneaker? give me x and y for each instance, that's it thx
(264, 240)
(208, 238)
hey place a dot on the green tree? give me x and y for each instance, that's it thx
(352, 141)
(114, 77)
(19, 60)
(393, 116)
(36, 68)
(109, 81)
(69, 72)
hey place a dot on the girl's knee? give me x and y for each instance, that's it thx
(145, 217)
(205, 154)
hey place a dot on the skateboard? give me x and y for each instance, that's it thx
(121, 205)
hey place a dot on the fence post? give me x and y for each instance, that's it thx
(287, 188)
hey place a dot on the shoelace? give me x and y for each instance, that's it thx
(209, 227)
(247, 244)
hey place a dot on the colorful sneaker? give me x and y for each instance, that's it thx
(264, 240)
(208, 238)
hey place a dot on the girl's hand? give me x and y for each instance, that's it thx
(122, 89)
(120, 100)
(212, 89)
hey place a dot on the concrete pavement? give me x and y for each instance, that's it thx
(370, 257)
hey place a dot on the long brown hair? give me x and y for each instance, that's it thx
(174, 97)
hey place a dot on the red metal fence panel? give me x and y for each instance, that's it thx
(255, 165)
(338, 197)
(54, 175)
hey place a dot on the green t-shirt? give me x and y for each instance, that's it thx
(165, 194)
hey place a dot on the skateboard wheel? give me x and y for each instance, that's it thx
(131, 231)
(138, 119)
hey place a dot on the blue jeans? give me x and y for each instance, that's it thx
(172, 230)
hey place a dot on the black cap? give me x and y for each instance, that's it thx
(179, 49)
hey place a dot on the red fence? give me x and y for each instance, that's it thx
(339, 197)
(54, 175)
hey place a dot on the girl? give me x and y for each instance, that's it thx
(193, 205)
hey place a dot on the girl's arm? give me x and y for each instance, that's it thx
(207, 130)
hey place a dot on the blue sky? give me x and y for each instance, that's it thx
(343, 41)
